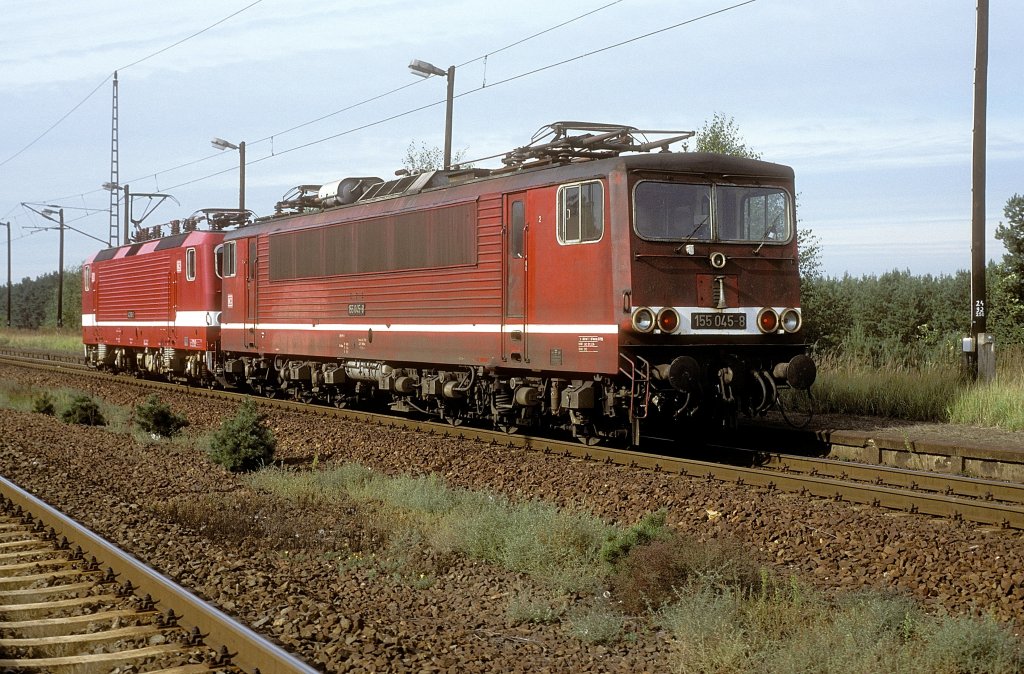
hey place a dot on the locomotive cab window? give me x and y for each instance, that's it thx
(665, 211)
(190, 264)
(86, 278)
(669, 211)
(755, 214)
(580, 213)
(224, 259)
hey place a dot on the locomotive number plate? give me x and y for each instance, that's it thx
(715, 321)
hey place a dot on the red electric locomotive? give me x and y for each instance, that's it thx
(578, 288)
(153, 306)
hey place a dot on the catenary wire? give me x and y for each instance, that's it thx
(466, 93)
(108, 78)
(429, 105)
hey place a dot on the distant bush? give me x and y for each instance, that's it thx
(157, 418)
(84, 410)
(243, 443)
(43, 404)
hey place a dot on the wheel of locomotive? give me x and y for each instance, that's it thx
(586, 434)
(589, 440)
(264, 389)
(507, 429)
(452, 418)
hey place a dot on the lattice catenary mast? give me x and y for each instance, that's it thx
(113, 237)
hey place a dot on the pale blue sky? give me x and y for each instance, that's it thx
(870, 101)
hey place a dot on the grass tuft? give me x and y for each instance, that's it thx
(558, 548)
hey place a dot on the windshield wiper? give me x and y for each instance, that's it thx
(686, 240)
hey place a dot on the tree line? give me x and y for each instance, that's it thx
(34, 301)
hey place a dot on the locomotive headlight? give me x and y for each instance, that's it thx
(643, 320)
(791, 320)
(767, 320)
(668, 320)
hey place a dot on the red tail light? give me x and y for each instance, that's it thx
(767, 320)
(668, 320)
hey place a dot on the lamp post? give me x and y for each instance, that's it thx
(8, 226)
(222, 144)
(424, 69)
(48, 213)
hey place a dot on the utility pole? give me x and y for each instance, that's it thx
(982, 342)
(127, 213)
(48, 213)
(60, 274)
(8, 226)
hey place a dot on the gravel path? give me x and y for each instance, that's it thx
(353, 617)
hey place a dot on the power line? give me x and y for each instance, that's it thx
(429, 105)
(57, 123)
(370, 100)
(196, 34)
(546, 30)
(471, 91)
(107, 79)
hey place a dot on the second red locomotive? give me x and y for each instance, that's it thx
(579, 287)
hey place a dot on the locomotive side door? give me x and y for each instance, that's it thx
(251, 316)
(514, 291)
(172, 299)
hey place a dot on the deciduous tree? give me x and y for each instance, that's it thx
(721, 135)
(1006, 280)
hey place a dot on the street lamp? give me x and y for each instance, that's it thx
(424, 69)
(48, 213)
(222, 144)
(8, 226)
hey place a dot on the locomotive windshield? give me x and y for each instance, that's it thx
(668, 211)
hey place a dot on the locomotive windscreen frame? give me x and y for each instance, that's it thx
(439, 237)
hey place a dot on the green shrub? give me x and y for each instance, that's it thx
(650, 527)
(84, 410)
(43, 404)
(157, 418)
(652, 573)
(243, 443)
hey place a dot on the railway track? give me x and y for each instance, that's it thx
(70, 601)
(976, 500)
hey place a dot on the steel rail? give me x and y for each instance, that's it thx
(904, 478)
(872, 490)
(248, 650)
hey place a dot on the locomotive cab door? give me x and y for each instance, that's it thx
(514, 292)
